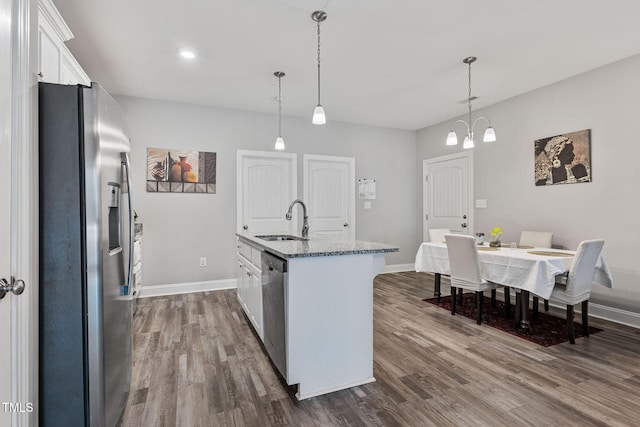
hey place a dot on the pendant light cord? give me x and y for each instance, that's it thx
(318, 62)
(469, 99)
(280, 106)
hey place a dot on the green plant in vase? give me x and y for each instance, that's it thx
(494, 240)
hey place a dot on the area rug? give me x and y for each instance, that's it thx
(546, 330)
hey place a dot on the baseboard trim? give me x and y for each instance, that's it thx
(187, 288)
(612, 314)
(397, 268)
(599, 311)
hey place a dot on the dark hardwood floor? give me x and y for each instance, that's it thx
(198, 363)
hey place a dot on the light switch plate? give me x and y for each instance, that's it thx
(367, 205)
(481, 203)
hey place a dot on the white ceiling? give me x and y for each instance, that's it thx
(384, 63)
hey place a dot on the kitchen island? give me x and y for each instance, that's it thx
(328, 309)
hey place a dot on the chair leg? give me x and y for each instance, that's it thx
(546, 305)
(585, 318)
(493, 297)
(536, 302)
(507, 302)
(571, 332)
(479, 300)
(453, 301)
(460, 292)
(518, 313)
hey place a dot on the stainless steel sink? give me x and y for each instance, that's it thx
(280, 237)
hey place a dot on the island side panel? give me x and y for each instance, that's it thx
(330, 322)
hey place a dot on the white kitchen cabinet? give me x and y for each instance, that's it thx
(249, 278)
(56, 64)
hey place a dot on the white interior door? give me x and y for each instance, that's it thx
(329, 191)
(5, 206)
(447, 193)
(267, 184)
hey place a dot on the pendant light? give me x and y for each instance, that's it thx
(489, 133)
(279, 141)
(319, 117)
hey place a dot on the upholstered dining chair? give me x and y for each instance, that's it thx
(538, 239)
(437, 234)
(465, 270)
(575, 287)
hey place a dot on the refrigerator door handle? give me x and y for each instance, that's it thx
(125, 162)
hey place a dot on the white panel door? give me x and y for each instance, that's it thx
(447, 193)
(5, 208)
(267, 184)
(329, 191)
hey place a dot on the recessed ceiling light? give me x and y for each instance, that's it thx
(187, 54)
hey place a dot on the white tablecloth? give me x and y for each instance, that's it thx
(515, 268)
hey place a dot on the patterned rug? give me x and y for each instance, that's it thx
(546, 330)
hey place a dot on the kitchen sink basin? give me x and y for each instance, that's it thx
(280, 237)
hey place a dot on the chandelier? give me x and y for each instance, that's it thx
(489, 133)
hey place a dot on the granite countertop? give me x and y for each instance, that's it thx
(316, 246)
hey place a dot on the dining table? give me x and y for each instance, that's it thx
(528, 269)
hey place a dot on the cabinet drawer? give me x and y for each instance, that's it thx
(244, 249)
(256, 257)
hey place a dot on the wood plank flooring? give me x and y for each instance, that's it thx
(198, 363)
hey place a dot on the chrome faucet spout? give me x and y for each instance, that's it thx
(305, 218)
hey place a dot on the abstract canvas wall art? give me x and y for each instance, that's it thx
(563, 159)
(180, 171)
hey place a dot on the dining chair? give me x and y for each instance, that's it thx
(437, 234)
(465, 270)
(538, 239)
(575, 287)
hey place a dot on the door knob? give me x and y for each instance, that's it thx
(463, 225)
(345, 224)
(246, 227)
(16, 286)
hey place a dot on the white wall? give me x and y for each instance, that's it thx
(607, 101)
(181, 228)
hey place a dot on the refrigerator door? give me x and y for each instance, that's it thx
(109, 236)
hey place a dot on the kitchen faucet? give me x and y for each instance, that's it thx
(305, 220)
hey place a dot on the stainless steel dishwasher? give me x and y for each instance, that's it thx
(274, 282)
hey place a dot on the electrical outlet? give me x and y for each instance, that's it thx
(203, 261)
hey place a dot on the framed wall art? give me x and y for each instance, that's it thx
(563, 159)
(180, 171)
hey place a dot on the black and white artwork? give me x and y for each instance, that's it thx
(563, 159)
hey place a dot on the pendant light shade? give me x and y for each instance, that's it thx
(489, 133)
(319, 117)
(468, 142)
(452, 138)
(279, 140)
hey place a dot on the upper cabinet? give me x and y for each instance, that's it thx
(56, 64)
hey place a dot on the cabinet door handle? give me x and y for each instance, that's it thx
(41, 75)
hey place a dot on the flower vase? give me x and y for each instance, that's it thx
(495, 243)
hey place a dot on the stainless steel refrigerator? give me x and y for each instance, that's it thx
(86, 240)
